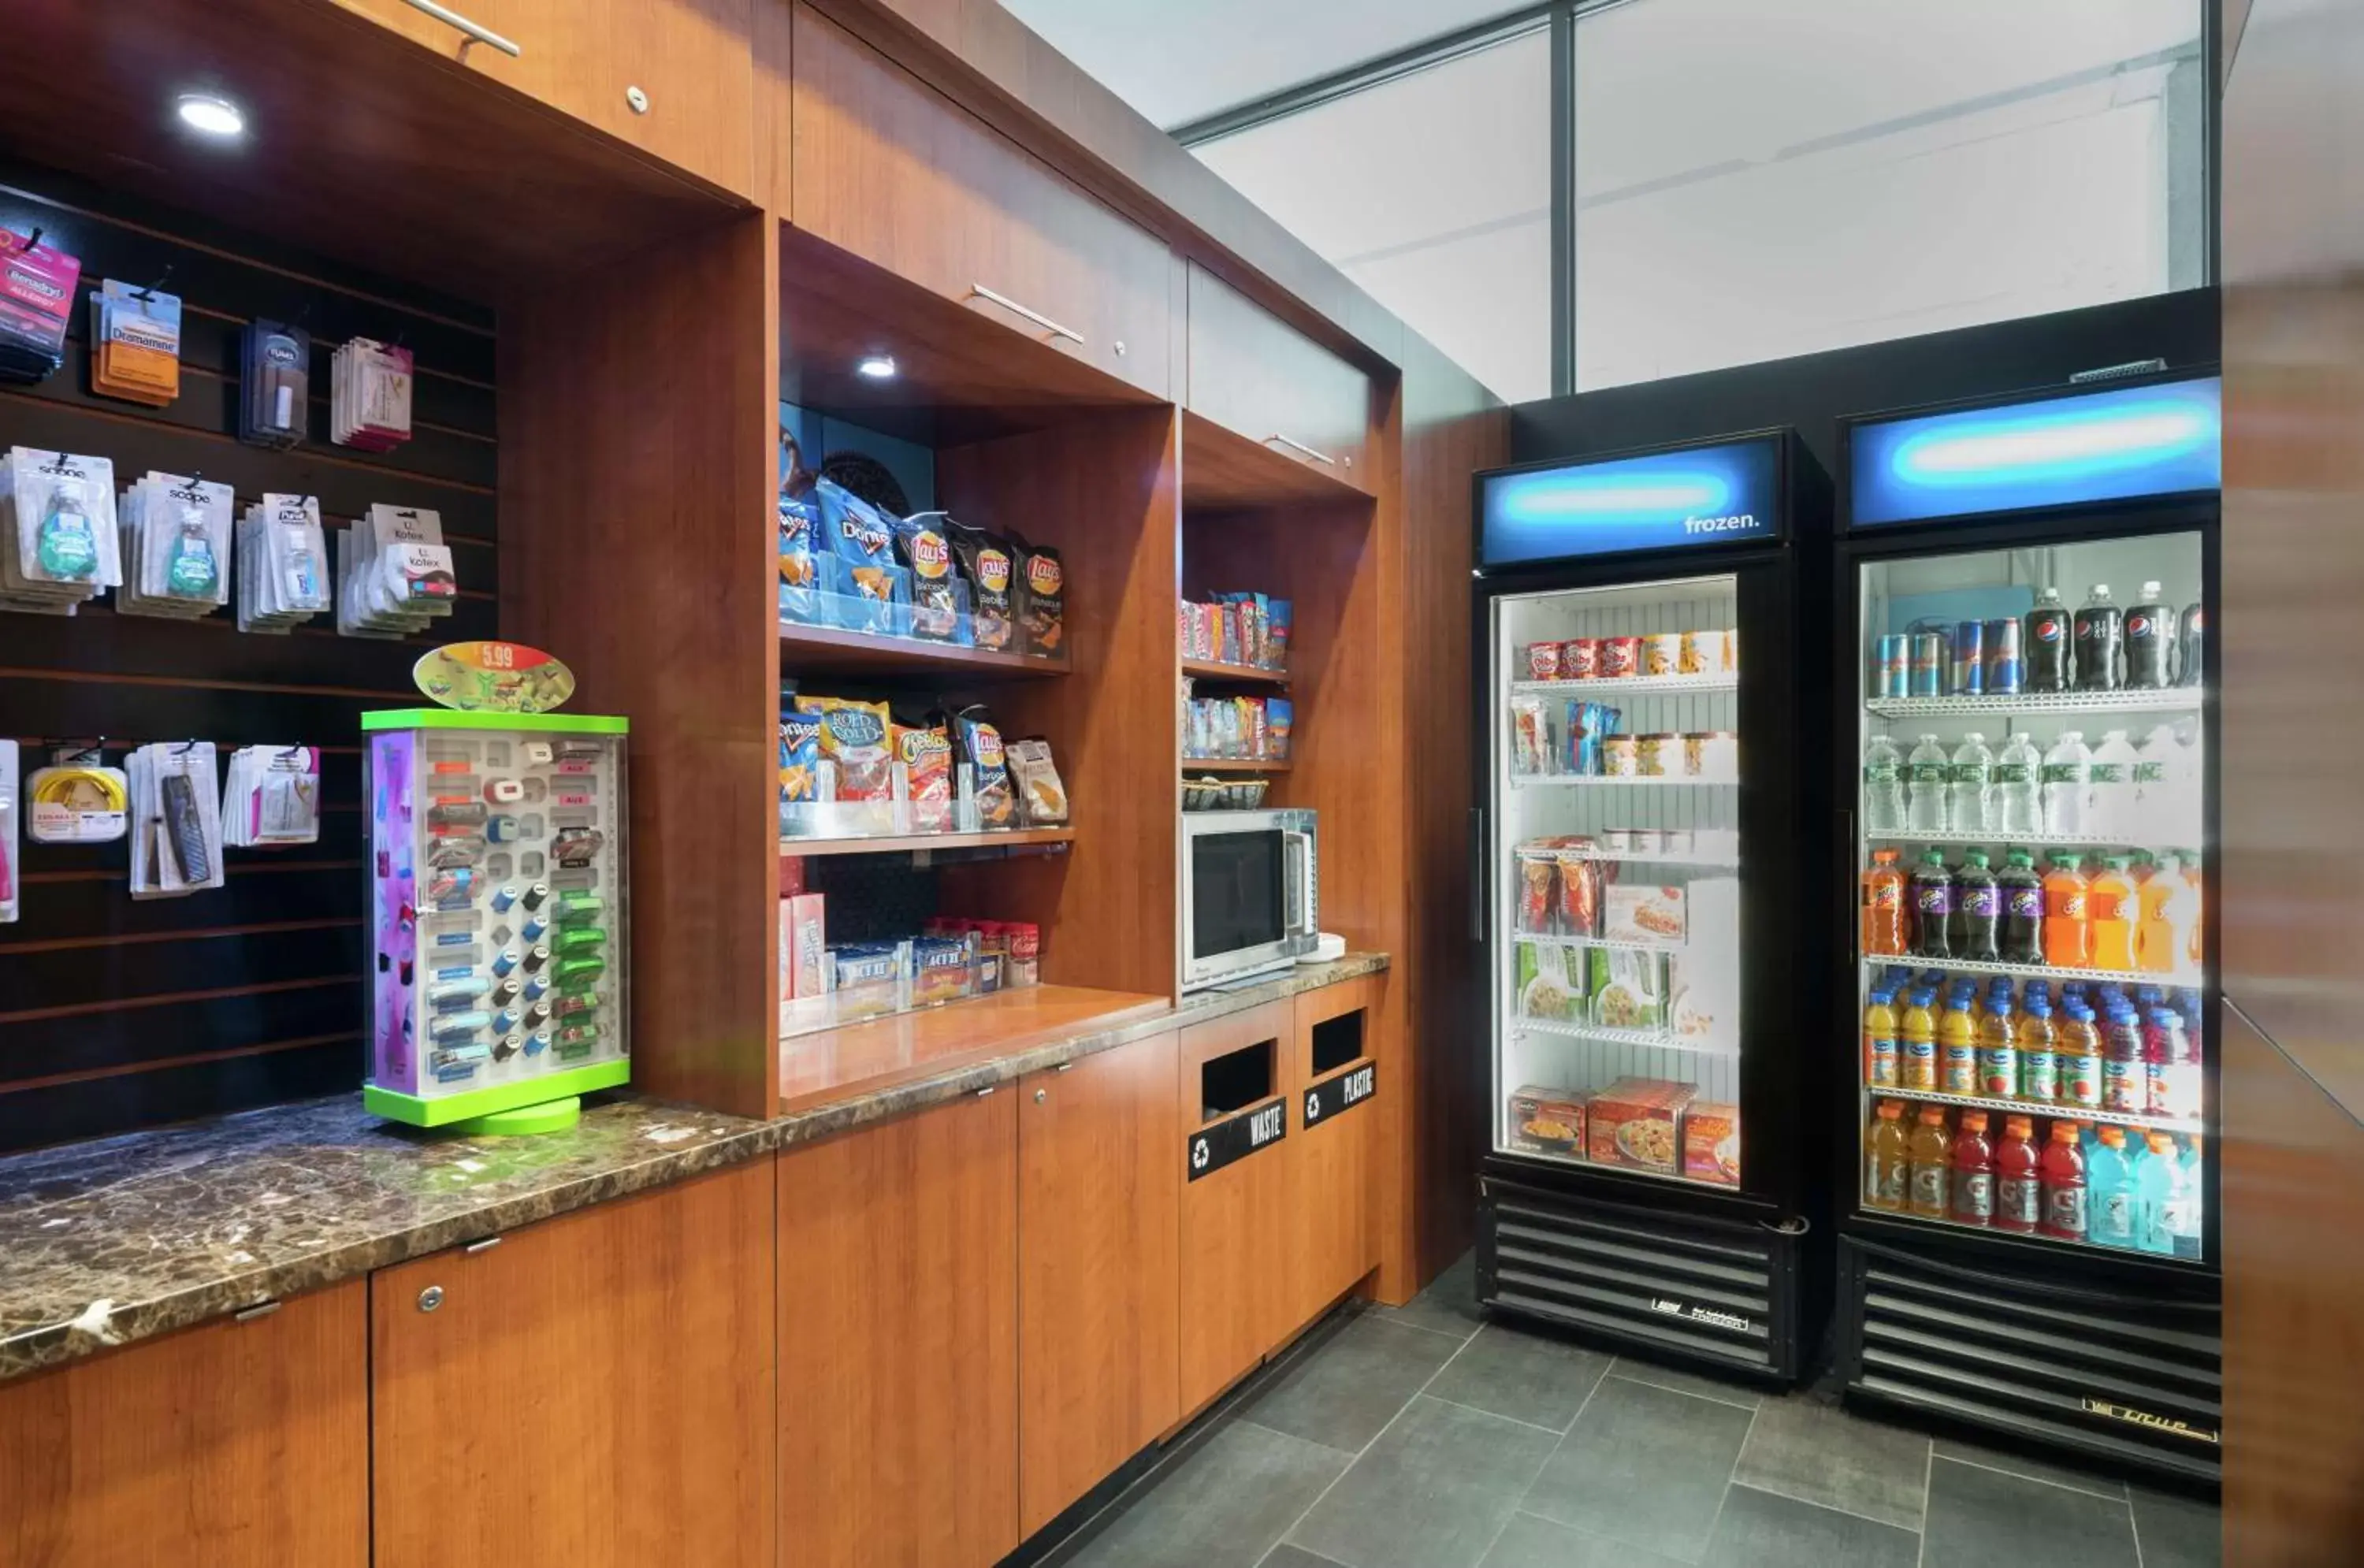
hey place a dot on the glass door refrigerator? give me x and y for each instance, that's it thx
(2026, 745)
(1636, 615)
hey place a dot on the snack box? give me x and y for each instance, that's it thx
(1636, 1122)
(1624, 989)
(1642, 914)
(1544, 1121)
(1711, 1142)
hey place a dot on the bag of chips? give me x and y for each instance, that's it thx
(1042, 797)
(986, 562)
(924, 546)
(854, 742)
(980, 748)
(926, 752)
(1042, 598)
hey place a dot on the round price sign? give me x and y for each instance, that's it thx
(494, 677)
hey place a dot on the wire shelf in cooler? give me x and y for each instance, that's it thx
(1629, 687)
(1578, 1162)
(2190, 835)
(2172, 978)
(1549, 938)
(2144, 1119)
(1656, 1039)
(1653, 856)
(1525, 781)
(2173, 699)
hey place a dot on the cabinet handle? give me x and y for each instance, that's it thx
(486, 1245)
(1323, 458)
(987, 1090)
(430, 1298)
(477, 32)
(1062, 1067)
(261, 1309)
(978, 291)
(1041, 1096)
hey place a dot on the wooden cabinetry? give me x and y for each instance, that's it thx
(674, 78)
(593, 1390)
(1261, 379)
(898, 1341)
(889, 169)
(1330, 1245)
(1234, 1087)
(1098, 1173)
(234, 1445)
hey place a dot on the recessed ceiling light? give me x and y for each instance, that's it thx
(212, 115)
(877, 367)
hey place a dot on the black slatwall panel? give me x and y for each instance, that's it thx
(114, 1014)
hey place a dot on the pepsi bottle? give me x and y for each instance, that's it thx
(2047, 644)
(2150, 640)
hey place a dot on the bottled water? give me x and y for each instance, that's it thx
(1883, 788)
(2110, 808)
(1972, 810)
(2065, 780)
(1924, 787)
(2154, 802)
(2017, 807)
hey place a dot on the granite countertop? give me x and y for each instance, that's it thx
(115, 1240)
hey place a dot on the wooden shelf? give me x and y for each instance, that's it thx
(831, 1061)
(905, 843)
(828, 649)
(1215, 670)
(1232, 765)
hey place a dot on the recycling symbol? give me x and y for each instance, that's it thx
(1312, 1106)
(1198, 1154)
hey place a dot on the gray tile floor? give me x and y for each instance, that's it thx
(1427, 1437)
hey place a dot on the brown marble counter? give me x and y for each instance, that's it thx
(112, 1241)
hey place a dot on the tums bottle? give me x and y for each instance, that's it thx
(2063, 1178)
(1971, 808)
(2065, 784)
(1974, 1172)
(1978, 909)
(1932, 1153)
(1933, 906)
(2110, 911)
(2068, 935)
(2101, 638)
(2019, 1198)
(1924, 787)
(1888, 1160)
(2150, 640)
(2018, 808)
(2022, 893)
(1883, 788)
(1884, 919)
(2110, 809)
(2113, 1208)
(2040, 1059)
(2048, 644)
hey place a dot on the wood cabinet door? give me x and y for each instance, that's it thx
(1098, 1172)
(888, 168)
(898, 1341)
(1237, 1207)
(1333, 1129)
(1259, 378)
(232, 1445)
(595, 1390)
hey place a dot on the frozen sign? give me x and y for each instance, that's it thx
(1722, 493)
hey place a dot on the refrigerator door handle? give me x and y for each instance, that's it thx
(1849, 888)
(1480, 873)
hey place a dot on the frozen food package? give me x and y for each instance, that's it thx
(1626, 990)
(1042, 797)
(1635, 1122)
(1537, 883)
(1544, 1121)
(1545, 989)
(1530, 737)
(1644, 914)
(1711, 1142)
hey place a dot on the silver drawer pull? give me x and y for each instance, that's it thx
(978, 291)
(476, 31)
(1301, 447)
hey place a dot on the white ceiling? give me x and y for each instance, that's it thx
(1178, 60)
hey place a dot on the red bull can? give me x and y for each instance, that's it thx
(1969, 668)
(2006, 664)
(1929, 662)
(1893, 676)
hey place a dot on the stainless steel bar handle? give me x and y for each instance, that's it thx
(978, 291)
(477, 32)
(1301, 447)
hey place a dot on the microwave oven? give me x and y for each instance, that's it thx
(1250, 894)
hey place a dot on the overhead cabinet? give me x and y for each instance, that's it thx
(1260, 378)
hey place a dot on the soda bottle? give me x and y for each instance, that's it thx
(2125, 1073)
(2018, 808)
(1933, 904)
(1883, 788)
(2114, 1213)
(2111, 909)
(1924, 787)
(1971, 803)
(2064, 782)
(1974, 1172)
(2022, 909)
(2068, 935)
(1918, 1032)
(1978, 909)
(2154, 933)
(1931, 1154)
(1880, 1042)
(2062, 1174)
(1999, 1051)
(2039, 1061)
(2110, 787)
(1888, 1160)
(2048, 644)
(2080, 1058)
(2150, 640)
(1884, 919)
(2019, 1199)
(2190, 646)
(1957, 1049)
(2101, 638)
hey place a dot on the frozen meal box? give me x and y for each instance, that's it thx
(1547, 989)
(1703, 999)
(1626, 990)
(1635, 1122)
(1711, 1142)
(1547, 1121)
(1644, 913)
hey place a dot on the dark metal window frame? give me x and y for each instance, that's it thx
(1560, 18)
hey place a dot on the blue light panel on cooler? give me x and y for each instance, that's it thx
(2161, 439)
(1699, 496)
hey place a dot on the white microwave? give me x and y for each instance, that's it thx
(1250, 894)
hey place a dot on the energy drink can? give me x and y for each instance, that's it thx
(2006, 664)
(1929, 660)
(1969, 668)
(1894, 677)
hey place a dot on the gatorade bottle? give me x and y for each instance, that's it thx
(2100, 638)
(2047, 642)
(2193, 924)
(1933, 904)
(2019, 1199)
(1931, 1154)
(2039, 1061)
(1880, 1042)
(1888, 1160)
(1977, 909)
(2185, 1220)
(1918, 1030)
(2062, 1174)
(1883, 906)
(2111, 908)
(1957, 1049)
(2068, 936)
(2080, 1059)
(2113, 1213)
(1999, 1051)
(2022, 893)
(1974, 1172)
(2155, 942)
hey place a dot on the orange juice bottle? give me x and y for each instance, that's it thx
(2156, 946)
(1888, 1160)
(1958, 1050)
(1917, 1064)
(1931, 1156)
(2068, 935)
(2110, 911)
(1883, 905)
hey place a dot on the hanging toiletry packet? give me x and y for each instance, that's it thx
(135, 338)
(59, 548)
(8, 832)
(177, 555)
(272, 797)
(368, 395)
(275, 382)
(176, 830)
(37, 296)
(282, 563)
